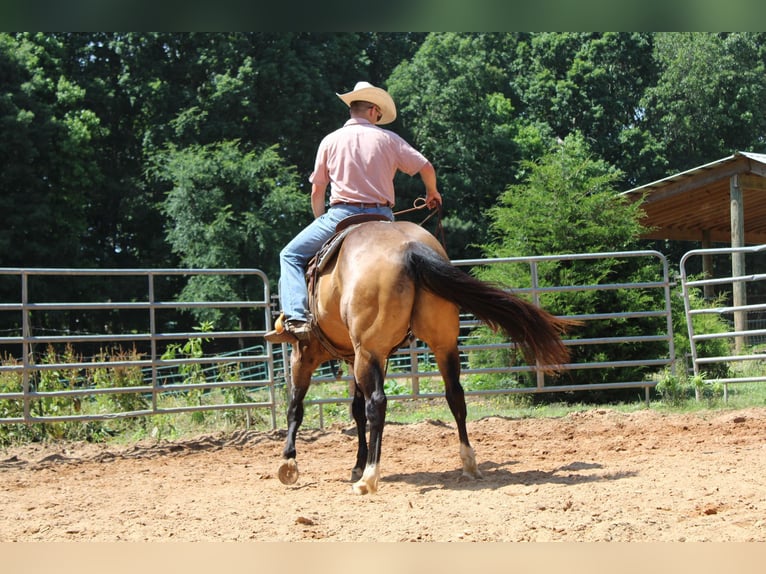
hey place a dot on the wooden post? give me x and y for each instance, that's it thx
(738, 259)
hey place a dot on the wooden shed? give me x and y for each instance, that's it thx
(719, 202)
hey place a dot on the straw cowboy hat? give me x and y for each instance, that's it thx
(366, 92)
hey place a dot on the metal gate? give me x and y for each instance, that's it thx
(742, 322)
(154, 365)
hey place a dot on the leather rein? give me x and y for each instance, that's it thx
(420, 203)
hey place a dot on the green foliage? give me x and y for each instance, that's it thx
(228, 208)
(710, 97)
(501, 354)
(84, 114)
(676, 389)
(191, 373)
(119, 377)
(46, 154)
(456, 102)
(568, 204)
(47, 381)
(124, 402)
(592, 83)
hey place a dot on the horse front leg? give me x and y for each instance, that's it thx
(449, 366)
(303, 365)
(370, 378)
(360, 418)
(288, 471)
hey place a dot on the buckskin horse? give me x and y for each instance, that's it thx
(387, 282)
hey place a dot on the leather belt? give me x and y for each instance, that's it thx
(362, 205)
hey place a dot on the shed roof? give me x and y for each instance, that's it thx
(689, 204)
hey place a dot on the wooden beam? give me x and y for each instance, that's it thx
(707, 265)
(752, 182)
(738, 259)
(757, 167)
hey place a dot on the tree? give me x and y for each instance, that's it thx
(264, 89)
(710, 98)
(568, 204)
(228, 207)
(593, 83)
(457, 105)
(47, 164)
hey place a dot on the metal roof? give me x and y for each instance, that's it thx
(696, 203)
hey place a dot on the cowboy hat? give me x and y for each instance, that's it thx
(366, 92)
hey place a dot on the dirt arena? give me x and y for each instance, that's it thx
(598, 475)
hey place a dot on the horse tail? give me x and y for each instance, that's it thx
(537, 332)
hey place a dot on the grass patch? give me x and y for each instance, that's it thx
(517, 406)
(672, 395)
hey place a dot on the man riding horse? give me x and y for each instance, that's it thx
(358, 162)
(387, 281)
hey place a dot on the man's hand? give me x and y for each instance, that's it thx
(433, 199)
(428, 175)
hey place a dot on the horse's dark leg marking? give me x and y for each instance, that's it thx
(449, 365)
(455, 394)
(358, 412)
(294, 420)
(303, 361)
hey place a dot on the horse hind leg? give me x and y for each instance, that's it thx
(370, 377)
(449, 366)
(360, 418)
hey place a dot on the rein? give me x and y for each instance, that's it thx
(420, 203)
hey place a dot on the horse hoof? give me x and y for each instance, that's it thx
(360, 488)
(466, 475)
(288, 472)
(356, 474)
(476, 473)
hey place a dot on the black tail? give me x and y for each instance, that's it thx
(536, 331)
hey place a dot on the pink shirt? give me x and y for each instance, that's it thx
(359, 162)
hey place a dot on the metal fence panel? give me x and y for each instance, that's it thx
(412, 365)
(252, 364)
(742, 322)
(62, 374)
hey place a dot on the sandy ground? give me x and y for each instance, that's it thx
(599, 475)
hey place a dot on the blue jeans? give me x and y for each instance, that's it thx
(294, 257)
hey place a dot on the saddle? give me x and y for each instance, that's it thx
(330, 248)
(315, 265)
